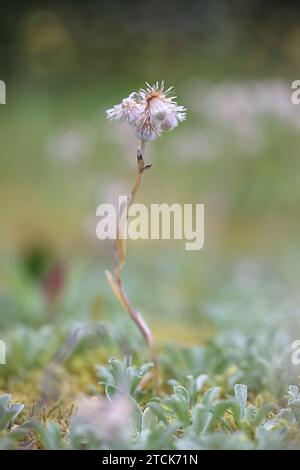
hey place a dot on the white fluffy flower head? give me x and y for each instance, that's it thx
(128, 110)
(150, 111)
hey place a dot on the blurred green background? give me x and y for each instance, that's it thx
(232, 66)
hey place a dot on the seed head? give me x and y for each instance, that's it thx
(127, 111)
(150, 112)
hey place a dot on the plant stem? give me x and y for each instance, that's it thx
(115, 280)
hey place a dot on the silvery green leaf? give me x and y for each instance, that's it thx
(50, 435)
(182, 393)
(295, 407)
(158, 410)
(293, 393)
(180, 408)
(110, 391)
(262, 414)
(200, 419)
(149, 419)
(173, 382)
(200, 381)
(161, 437)
(211, 395)
(136, 417)
(16, 408)
(219, 409)
(287, 415)
(4, 401)
(117, 368)
(145, 368)
(8, 413)
(241, 393)
(5, 418)
(105, 375)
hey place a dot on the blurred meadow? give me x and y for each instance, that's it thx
(228, 313)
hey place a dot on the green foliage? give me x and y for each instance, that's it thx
(8, 413)
(187, 417)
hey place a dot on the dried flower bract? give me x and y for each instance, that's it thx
(150, 112)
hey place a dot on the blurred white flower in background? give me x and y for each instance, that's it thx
(196, 145)
(232, 101)
(107, 420)
(242, 110)
(150, 112)
(69, 145)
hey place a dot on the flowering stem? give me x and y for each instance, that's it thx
(115, 280)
